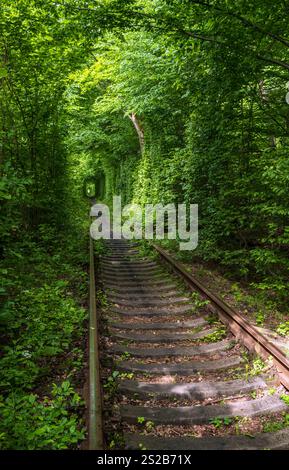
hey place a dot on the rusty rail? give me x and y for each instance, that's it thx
(237, 323)
(95, 430)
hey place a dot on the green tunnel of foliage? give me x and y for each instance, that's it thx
(215, 130)
(205, 82)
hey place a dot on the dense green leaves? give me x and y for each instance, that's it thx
(171, 100)
(206, 82)
(51, 424)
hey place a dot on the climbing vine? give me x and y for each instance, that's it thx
(162, 101)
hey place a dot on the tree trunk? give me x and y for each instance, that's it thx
(140, 131)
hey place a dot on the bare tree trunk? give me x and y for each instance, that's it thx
(140, 131)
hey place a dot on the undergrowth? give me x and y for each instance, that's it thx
(42, 326)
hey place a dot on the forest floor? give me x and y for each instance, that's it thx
(43, 328)
(241, 295)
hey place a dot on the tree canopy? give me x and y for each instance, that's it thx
(169, 101)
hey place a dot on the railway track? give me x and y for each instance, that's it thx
(174, 377)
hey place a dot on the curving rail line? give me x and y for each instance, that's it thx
(239, 326)
(148, 332)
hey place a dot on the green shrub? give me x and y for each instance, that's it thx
(283, 329)
(48, 321)
(29, 424)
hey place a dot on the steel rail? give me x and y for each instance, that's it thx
(95, 430)
(237, 323)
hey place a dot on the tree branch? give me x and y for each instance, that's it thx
(274, 61)
(244, 20)
(139, 130)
